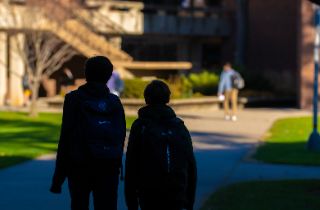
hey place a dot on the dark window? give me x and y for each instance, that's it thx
(214, 3)
(211, 56)
(151, 52)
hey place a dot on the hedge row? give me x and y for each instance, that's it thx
(204, 83)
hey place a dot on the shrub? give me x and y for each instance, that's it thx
(134, 88)
(180, 87)
(204, 83)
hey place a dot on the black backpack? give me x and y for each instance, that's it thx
(165, 150)
(99, 128)
(237, 81)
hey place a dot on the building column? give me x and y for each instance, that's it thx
(3, 68)
(196, 56)
(305, 55)
(182, 51)
(16, 70)
(242, 6)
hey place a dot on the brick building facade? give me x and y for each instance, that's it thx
(280, 46)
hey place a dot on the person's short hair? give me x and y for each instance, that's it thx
(157, 92)
(98, 69)
(227, 64)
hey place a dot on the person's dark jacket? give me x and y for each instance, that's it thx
(70, 135)
(133, 176)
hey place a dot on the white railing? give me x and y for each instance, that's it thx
(127, 15)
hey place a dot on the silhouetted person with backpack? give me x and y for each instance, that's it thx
(91, 141)
(160, 164)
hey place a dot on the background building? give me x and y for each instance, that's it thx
(271, 42)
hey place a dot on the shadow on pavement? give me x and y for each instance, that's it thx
(214, 141)
(198, 117)
(26, 185)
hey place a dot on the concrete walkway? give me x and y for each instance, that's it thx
(221, 148)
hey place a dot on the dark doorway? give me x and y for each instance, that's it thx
(211, 56)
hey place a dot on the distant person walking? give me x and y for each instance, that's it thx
(26, 90)
(91, 141)
(115, 84)
(160, 164)
(67, 80)
(229, 85)
(186, 4)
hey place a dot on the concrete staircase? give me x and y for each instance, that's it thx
(97, 18)
(78, 30)
(85, 41)
(77, 26)
(77, 33)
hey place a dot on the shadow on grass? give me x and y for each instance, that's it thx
(6, 161)
(23, 139)
(287, 153)
(278, 195)
(28, 123)
(19, 129)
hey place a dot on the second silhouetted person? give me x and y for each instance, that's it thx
(160, 164)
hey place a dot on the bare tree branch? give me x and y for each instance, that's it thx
(42, 52)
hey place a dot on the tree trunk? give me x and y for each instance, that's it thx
(34, 99)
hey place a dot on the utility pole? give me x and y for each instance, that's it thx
(314, 139)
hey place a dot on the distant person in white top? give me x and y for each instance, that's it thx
(115, 84)
(185, 3)
(229, 85)
(199, 3)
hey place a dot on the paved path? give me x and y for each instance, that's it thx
(220, 148)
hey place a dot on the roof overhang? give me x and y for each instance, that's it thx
(161, 66)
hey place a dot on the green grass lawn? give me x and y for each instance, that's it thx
(276, 195)
(286, 143)
(23, 138)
